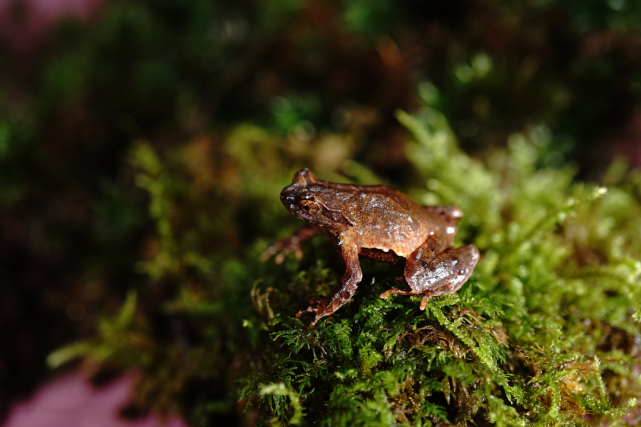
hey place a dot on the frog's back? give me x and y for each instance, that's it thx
(385, 219)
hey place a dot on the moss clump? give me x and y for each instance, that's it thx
(543, 333)
(538, 336)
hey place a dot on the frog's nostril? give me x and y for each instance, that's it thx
(287, 198)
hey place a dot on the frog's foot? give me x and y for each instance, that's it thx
(426, 297)
(397, 291)
(323, 307)
(317, 305)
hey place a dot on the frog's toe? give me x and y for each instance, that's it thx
(397, 291)
(386, 294)
(426, 297)
(311, 325)
(316, 305)
(309, 309)
(317, 310)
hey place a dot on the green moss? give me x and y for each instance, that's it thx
(543, 333)
(524, 342)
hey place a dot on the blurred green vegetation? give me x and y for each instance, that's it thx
(141, 158)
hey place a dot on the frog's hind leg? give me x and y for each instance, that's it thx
(445, 273)
(417, 262)
(442, 274)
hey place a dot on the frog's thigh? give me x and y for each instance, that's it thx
(445, 273)
(416, 263)
(421, 257)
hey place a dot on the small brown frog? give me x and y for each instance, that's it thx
(377, 222)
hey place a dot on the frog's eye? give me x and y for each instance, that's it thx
(309, 205)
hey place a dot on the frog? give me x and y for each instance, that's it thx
(380, 223)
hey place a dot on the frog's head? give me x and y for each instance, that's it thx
(304, 198)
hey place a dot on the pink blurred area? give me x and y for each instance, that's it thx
(70, 401)
(24, 23)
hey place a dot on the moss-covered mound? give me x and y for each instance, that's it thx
(545, 331)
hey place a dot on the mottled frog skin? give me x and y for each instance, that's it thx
(379, 223)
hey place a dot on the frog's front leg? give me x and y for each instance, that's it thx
(292, 244)
(432, 273)
(350, 281)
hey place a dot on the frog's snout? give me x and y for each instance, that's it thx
(287, 198)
